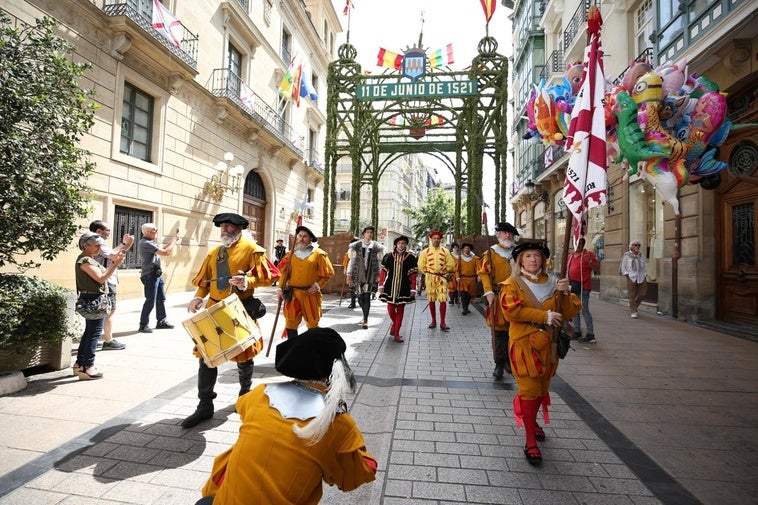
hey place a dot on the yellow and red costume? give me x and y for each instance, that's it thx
(436, 263)
(270, 465)
(301, 270)
(495, 267)
(466, 270)
(533, 363)
(243, 255)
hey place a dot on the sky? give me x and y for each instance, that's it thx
(395, 24)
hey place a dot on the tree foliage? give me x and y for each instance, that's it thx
(43, 114)
(435, 214)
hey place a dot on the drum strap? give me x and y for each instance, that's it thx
(222, 269)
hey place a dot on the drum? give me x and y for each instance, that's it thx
(224, 330)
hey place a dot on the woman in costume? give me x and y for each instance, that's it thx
(397, 283)
(535, 303)
(294, 435)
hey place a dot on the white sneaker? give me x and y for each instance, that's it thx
(635, 315)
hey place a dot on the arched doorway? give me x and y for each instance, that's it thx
(254, 206)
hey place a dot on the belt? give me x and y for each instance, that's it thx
(541, 326)
(304, 288)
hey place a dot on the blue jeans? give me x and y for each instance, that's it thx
(155, 296)
(585, 313)
(85, 355)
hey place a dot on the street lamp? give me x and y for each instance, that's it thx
(530, 190)
(227, 178)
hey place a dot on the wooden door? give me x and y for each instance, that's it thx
(255, 211)
(737, 236)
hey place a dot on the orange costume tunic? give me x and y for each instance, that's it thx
(529, 344)
(466, 268)
(494, 268)
(452, 286)
(243, 255)
(436, 263)
(315, 267)
(270, 465)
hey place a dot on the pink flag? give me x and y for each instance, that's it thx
(585, 185)
(167, 24)
(247, 96)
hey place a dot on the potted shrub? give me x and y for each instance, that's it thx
(36, 323)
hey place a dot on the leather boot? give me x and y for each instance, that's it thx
(206, 380)
(245, 373)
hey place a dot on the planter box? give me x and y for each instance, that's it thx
(56, 357)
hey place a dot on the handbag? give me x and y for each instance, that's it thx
(564, 343)
(254, 307)
(95, 308)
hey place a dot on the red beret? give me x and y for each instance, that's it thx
(435, 232)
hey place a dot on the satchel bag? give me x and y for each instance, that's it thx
(564, 343)
(575, 287)
(95, 308)
(254, 307)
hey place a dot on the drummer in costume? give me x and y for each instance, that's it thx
(466, 268)
(295, 435)
(536, 303)
(303, 271)
(363, 269)
(494, 268)
(437, 265)
(235, 267)
(397, 283)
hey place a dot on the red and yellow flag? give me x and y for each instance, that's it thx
(489, 8)
(388, 59)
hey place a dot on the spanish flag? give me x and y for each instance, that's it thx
(389, 59)
(442, 57)
(489, 8)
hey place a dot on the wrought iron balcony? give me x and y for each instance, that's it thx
(228, 85)
(576, 24)
(140, 11)
(314, 159)
(645, 55)
(553, 66)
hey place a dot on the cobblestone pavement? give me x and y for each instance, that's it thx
(657, 412)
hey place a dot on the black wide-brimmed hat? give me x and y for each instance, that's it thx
(466, 244)
(369, 227)
(401, 237)
(308, 231)
(231, 218)
(527, 246)
(310, 355)
(506, 227)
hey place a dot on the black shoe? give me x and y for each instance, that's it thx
(164, 326)
(577, 335)
(351, 306)
(145, 329)
(203, 412)
(498, 372)
(589, 339)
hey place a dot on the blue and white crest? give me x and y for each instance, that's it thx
(414, 64)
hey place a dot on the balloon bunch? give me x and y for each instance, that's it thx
(549, 108)
(667, 126)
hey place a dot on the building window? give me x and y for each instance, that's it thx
(314, 84)
(128, 220)
(137, 123)
(286, 46)
(309, 200)
(254, 187)
(234, 62)
(643, 26)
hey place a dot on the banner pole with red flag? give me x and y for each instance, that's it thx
(585, 184)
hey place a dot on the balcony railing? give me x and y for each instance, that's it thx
(576, 24)
(314, 159)
(228, 85)
(645, 55)
(141, 11)
(244, 4)
(554, 65)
